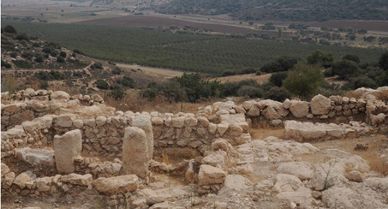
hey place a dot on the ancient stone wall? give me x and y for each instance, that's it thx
(31, 104)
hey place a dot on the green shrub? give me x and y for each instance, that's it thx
(229, 89)
(117, 93)
(49, 50)
(278, 78)
(52, 75)
(116, 71)
(281, 64)
(320, 58)
(304, 80)
(63, 54)
(22, 64)
(151, 91)
(27, 55)
(22, 37)
(362, 81)
(173, 91)
(102, 84)
(9, 29)
(383, 62)
(277, 94)
(5, 64)
(351, 57)
(345, 69)
(60, 59)
(96, 65)
(39, 58)
(250, 91)
(127, 82)
(14, 54)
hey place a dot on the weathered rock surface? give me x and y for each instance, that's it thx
(320, 105)
(209, 175)
(66, 148)
(118, 184)
(136, 152)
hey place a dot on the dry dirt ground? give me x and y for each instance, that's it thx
(375, 142)
(260, 79)
(159, 73)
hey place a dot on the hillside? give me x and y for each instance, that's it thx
(210, 54)
(301, 10)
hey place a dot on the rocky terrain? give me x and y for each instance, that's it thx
(74, 151)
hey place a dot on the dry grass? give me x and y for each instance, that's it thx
(136, 103)
(260, 79)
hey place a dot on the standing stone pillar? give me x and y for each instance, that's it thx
(135, 154)
(143, 121)
(66, 148)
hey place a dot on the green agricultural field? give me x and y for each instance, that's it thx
(184, 51)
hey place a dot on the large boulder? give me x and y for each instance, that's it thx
(66, 148)
(24, 179)
(233, 118)
(299, 109)
(77, 179)
(320, 105)
(303, 130)
(209, 175)
(60, 95)
(36, 157)
(117, 184)
(237, 182)
(287, 183)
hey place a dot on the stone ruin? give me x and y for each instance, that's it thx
(55, 145)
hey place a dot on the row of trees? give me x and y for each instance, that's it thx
(290, 77)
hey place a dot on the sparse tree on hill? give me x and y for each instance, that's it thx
(383, 62)
(304, 80)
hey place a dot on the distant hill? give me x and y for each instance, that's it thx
(299, 10)
(124, 3)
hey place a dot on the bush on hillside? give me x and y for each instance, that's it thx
(351, 57)
(117, 93)
(102, 84)
(39, 58)
(278, 78)
(21, 37)
(362, 81)
(320, 58)
(52, 75)
(63, 54)
(281, 64)
(250, 91)
(5, 64)
(96, 65)
(304, 80)
(345, 69)
(60, 59)
(22, 64)
(127, 82)
(277, 94)
(383, 62)
(9, 29)
(116, 71)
